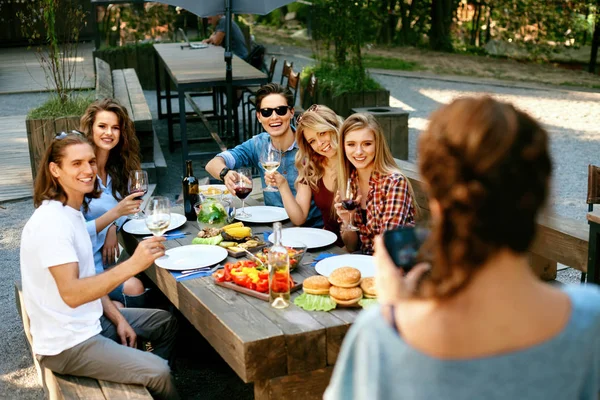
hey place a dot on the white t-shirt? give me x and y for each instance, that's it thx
(55, 235)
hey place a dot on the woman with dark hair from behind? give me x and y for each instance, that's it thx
(108, 127)
(479, 324)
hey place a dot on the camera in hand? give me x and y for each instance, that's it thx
(404, 245)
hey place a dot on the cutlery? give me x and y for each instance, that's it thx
(208, 272)
(191, 271)
(171, 235)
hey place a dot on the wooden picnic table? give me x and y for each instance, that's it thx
(192, 70)
(287, 353)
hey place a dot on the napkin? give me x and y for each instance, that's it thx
(320, 257)
(266, 235)
(181, 277)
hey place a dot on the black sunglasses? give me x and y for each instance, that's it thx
(62, 135)
(281, 111)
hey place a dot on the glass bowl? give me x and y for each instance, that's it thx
(296, 251)
(213, 213)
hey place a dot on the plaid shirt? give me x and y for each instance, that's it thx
(389, 205)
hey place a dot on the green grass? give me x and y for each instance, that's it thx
(53, 108)
(390, 63)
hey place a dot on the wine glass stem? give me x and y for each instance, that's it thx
(243, 206)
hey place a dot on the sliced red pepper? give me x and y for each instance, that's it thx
(262, 286)
(219, 276)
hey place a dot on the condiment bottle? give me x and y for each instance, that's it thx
(279, 271)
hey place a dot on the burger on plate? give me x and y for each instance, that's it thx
(345, 277)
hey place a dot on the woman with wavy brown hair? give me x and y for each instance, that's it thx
(316, 161)
(384, 195)
(479, 324)
(108, 127)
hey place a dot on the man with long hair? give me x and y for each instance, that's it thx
(75, 328)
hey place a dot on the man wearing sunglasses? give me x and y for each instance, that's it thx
(275, 112)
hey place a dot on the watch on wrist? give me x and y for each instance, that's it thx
(223, 172)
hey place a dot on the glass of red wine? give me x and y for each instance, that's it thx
(138, 183)
(243, 187)
(349, 203)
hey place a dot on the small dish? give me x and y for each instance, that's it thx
(296, 251)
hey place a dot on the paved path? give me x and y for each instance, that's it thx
(15, 180)
(20, 70)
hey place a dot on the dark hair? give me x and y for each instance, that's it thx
(46, 186)
(273, 88)
(124, 157)
(487, 165)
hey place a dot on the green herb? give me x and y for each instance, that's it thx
(365, 303)
(211, 240)
(314, 302)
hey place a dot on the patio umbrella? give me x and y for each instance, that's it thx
(206, 8)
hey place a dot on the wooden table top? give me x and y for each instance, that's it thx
(204, 66)
(257, 341)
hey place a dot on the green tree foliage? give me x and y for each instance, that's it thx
(52, 27)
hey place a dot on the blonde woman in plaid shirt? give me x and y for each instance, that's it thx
(383, 192)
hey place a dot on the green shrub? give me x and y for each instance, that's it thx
(390, 63)
(338, 80)
(55, 108)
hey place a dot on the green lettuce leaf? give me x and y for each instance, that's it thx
(365, 303)
(211, 240)
(314, 302)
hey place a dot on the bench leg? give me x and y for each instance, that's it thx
(542, 267)
(183, 129)
(305, 386)
(592, 272)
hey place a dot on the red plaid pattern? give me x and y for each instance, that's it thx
(389, 205)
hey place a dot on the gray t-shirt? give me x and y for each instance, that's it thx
(238, 42)
(376, 363)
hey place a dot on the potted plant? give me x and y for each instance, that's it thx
(52, 28)
(339, 29)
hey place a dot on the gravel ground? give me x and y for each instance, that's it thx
(570, 117)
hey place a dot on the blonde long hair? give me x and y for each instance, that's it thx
(309, 163)
(383, 161)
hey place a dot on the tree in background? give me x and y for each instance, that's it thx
(56, 25)
(440, 37)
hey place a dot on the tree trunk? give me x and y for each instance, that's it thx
(595, 43)
(441, 21)
(488, 30)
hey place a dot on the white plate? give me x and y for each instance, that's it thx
(312, 237)
(365, 264)
(192, 256)
(138, 226)
(203, 188)
(262, 214)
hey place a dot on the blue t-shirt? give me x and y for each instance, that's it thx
(247, 154)
(376, 363)
(97, 207)
(238, 42)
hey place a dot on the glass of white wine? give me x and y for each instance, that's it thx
(158, 215)
(270, 159)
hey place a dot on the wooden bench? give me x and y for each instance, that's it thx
(124, 86)
(559, 239)
(57, 386)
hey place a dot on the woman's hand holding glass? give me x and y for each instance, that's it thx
(275, 179)
(346, 215)
(270, 159)
(129, 205)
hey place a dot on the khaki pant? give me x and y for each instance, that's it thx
(103, 357)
